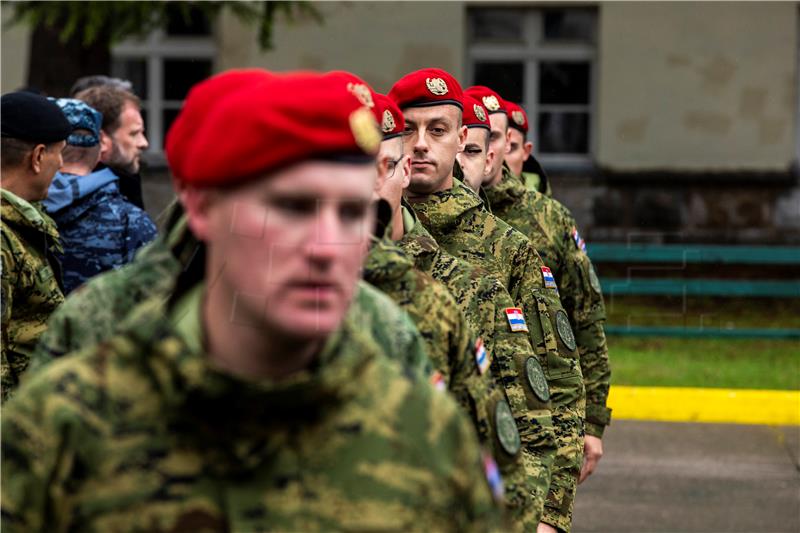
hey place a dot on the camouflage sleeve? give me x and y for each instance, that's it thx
(6, 302)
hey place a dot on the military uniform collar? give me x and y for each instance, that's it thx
(508, 191)
(20, 212)
(443, 210)
(386, 262)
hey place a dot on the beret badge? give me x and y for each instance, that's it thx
(518, 117)
(366, 135)
(361, 92)
(479, 112)
(388, 123)
(436, 85)
(491, 103)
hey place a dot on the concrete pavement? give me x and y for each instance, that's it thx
(670, 477)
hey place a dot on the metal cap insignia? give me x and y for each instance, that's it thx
(362, 124)
(361, 92)
(436, 85)
(479, 112)
(388, 123)
(518, 117)
(491, 103)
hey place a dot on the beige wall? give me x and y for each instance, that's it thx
(379, 41)
(697, 86)
(14, 50)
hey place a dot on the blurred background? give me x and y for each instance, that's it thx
(671, 130)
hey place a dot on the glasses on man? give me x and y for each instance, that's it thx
(391, 166)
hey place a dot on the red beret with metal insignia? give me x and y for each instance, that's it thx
(389, 117)
(492, 101)
(475, 114)
(426, 87)
(517, 117)
(241, 125)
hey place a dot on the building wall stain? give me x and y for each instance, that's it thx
(718, 72)
(632, 130)
(707, 122)
(772, 130)
(752, 102)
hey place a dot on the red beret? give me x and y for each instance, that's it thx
(493, 102)
(389, 116)
(426, 87)
(242, 124)
(357, 86)
(518, 118)
(475, 114)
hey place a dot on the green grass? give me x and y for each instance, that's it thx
(717, 363)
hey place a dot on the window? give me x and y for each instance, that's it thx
(163, 67)
(544, 59)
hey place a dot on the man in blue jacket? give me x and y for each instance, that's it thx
(100, 229)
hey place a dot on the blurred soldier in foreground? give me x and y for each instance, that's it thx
(99, 228)
(249, 402)
(33, 133)
(122, 138)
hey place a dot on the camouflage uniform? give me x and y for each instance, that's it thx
(31, 283)
(141, 433)
(459, 223)
(100, 230)
(483, 299)
(553, 231)
(93, 313)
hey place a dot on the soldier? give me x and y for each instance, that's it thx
(482, 299)
(99, 228)
(33, 133)
(251, 404)
(431, 101)
(520, 151)
(547, 224)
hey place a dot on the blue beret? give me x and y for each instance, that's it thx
(81, 116)
(30, 117)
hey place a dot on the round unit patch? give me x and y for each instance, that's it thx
(565, 330)
(593, 279)
(536, 379)
(507, 432)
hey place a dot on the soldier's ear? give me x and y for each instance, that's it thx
(462, 138)
(197, 203)
(37, 156)
(105, 145)
(527, 148)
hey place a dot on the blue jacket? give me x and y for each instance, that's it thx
(99, 228)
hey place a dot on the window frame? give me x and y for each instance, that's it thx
(533, 50)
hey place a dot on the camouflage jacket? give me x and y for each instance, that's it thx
(93, 313)
(99, 228)
(483, 301)
(31, 283)
(142, 433)
(553, 232)
(459, 223)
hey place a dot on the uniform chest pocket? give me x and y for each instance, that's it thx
(562, 353)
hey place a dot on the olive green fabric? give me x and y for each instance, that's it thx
(554, 233)
(143, 433)
(31, 283)
(457, 220)
(483, 299)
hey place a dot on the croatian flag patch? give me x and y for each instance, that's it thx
(437, 380)
(493, 477)
(481, 356)
(516, 319)
(579, 242)
(549, 280)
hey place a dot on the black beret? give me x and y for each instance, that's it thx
(30, 117)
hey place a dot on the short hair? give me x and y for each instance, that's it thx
(109, 100)
(86, 82)
(81, 154)
(14, 151)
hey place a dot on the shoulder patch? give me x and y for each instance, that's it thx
(549, 280)
(481, 356)
(516, 319)
(579, 242)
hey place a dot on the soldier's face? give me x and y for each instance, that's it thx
(432, 139)
(393, 172)
(518, 150)
(288, 249)
(498, 143)
(474, 158)
(125, 145)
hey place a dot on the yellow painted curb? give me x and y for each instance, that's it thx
(683, 404)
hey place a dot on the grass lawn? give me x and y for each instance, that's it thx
(719, 363)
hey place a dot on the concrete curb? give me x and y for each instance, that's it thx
(683, 404)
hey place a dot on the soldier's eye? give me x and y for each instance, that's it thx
(296, 206)
(353, 211)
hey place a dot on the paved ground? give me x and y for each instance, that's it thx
(670, 477)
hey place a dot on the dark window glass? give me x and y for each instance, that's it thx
(496, 25)
(563, 133)
(569, 25)
(505, 78)
(563, 82)
(184, 20)
(167, 118)
(133, 70)
(181, 74)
